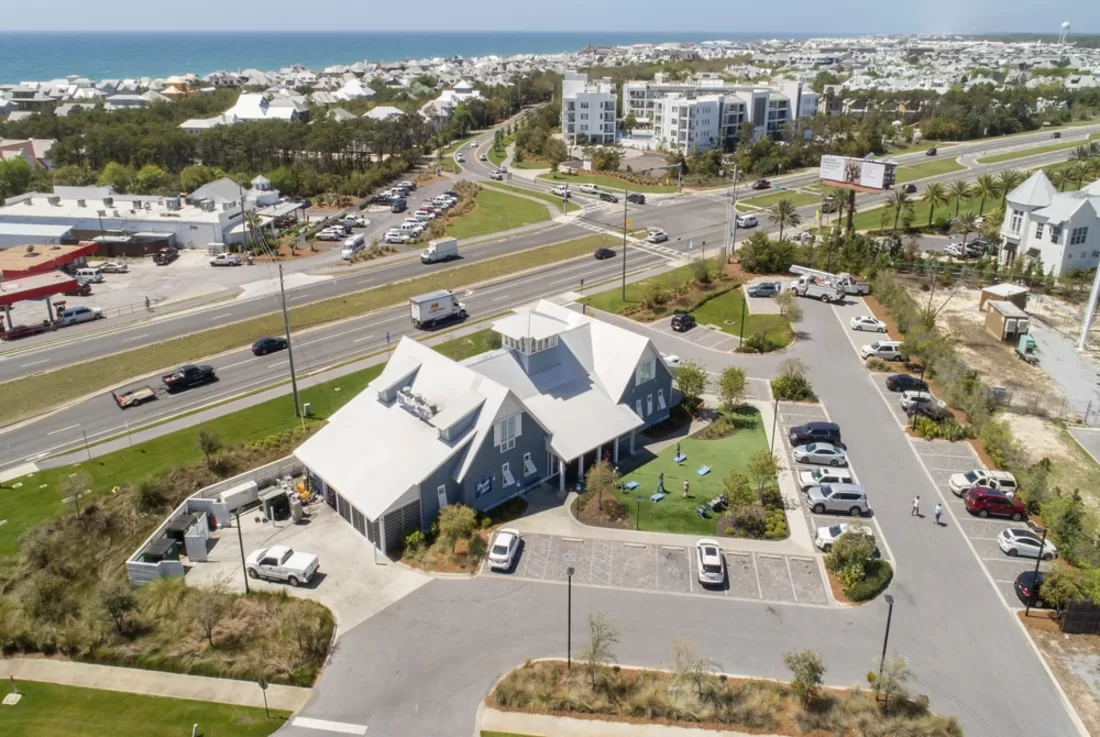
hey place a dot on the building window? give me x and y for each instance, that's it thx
(506, 431)
(1077, 236)
(1039, 230)
(649, 405)
(528, 465)
(584, 106)
(1055, 233)
(638, 408)
(506, 473)
(661, 399)
(646, 371)
(1017, 218)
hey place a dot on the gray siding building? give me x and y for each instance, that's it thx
(562, 392)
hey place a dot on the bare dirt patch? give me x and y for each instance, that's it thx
(1075, 661)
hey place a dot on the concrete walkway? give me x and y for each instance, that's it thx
(154, 683)
(545, 725)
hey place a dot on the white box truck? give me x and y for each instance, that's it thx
(428, 310)
(443, 249)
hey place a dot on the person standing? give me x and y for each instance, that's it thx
(660, 483)
(686, 487)
(938, 512)
(916, 507)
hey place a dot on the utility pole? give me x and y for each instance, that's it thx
(626, 194)
(289, 347)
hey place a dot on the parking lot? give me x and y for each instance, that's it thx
(666, 569)
(708, 337)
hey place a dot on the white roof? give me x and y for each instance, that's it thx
(530, 324)
(1005, 290)
(1064, 205)
(1035, 191)
(383, 111)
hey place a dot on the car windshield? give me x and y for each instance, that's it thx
(835, 531)
(972, 476)
(712, 568)
(500, 549)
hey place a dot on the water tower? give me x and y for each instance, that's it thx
(1063, 34)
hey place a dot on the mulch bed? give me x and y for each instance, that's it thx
(603, 510)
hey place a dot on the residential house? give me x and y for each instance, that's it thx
(440, 110)
(35, 150)
(564, 391)
(384, 112)
(1060, 229)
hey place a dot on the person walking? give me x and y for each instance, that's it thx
(660, 483)
(916, 507)
(686, 487)
(938, 512)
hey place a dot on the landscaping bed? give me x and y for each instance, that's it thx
(456, 542)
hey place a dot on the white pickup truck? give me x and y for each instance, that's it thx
(281, 563)
(226, 259)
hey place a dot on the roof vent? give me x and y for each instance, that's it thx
(108, 201)
(208, 205)
(81, 203)
(28, 201)
(54, 200)
(171, 203)
(415, 404)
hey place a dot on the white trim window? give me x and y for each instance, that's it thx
(506, 474)
(1017, 219)
(661, 400)
(528, 465)
(1055, 233)
(1039, 230)
(506, 431)
(649, 405)
(646, 371)
(1077, 236)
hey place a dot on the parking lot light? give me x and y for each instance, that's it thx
(885, 641)
(569, 619)
(240, 542)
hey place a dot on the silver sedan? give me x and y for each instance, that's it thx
(824, 454)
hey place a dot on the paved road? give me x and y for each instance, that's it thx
(949, 619)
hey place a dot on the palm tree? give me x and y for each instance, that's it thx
(900, 201)
(1060, 178)
(1093, 167)
(1077, 172)
(1007, 181)
(986, 187)
(935, 194)
(965, 224)
(958, 191)
(784, 214)
(840, 196)
(1081, 153)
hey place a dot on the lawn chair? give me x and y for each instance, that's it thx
(703, 512)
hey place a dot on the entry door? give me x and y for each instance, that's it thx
(441, 492)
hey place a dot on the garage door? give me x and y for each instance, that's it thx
(400, 522)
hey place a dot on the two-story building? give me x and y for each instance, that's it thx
(1061, 229)
(588, 110)
(562, 392)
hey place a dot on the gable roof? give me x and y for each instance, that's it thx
(1035, 191)
(1063, 207)
(220, 190)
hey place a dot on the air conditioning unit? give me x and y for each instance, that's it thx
(208, 205)
(171, 203)
(108, 201)
(81, 203)
(54, 200)
(28, 201)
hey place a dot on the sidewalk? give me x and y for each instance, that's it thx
(154, 683)
(519, 723)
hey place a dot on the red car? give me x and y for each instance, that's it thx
(987, 502)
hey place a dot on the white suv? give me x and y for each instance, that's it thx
(1000, 480)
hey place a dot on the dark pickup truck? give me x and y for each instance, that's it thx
(188, 376)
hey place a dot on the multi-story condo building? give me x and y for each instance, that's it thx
(1062, 229)
(766, 108)
(588, 110)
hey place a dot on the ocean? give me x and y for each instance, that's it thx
(40, 56)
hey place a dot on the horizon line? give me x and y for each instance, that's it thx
(459, 32)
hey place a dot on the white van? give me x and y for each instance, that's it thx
(746, 221)
(887, 350)
(90, 274)
(353, 246)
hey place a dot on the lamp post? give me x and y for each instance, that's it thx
(775, 419)
(569, 620)
(885, 640)
(638, 515)
(1035, 579)
(240, 542)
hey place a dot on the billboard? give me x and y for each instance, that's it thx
(863, 175)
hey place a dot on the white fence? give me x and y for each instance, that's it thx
(205, 500)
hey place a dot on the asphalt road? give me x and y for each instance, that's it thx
(395, 673)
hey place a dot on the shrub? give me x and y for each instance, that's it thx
(729, 532)
(415, 541)
(793, 389)
(1001, 446)
(877, 576)
(776, 525)
(808, 671)
(929, 429)
(877, 364)
(457, 522)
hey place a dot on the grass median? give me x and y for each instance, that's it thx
(927, 169)
(50, 710)
(1034, 151)
(607, 182)
(32, 395)
(494, 212)
(548, 198)
(799, 199)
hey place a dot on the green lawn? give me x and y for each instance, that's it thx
(724, 311)
(49, 710)
(549, 198)
(496, 211)
(1035, 151)
(529, 165)
(872, 219)
(612, 301)
(674, 513)
(498, 155)
(800, 199)
(928, 169)
(922, 146)
(473, 344)
(608, 182)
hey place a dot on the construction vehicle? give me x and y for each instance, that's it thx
(848, 283)
(822, 289)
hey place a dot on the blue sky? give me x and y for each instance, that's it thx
(795, 16)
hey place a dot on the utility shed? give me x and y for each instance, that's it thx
(1013, 293)
(1005, 321)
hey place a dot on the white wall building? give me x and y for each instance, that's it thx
(588, 110)
(1062, 229)
(688, 125)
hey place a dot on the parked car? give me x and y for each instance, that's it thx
(711, 563)
(990, 503)
(886, 350)
(826, 536)
(671, 359)
(822, 454)
(1019, 541)
(281, 563)
(931, 152)
(761, 184)
(263, 346)
(602, 253)
(823, 476)
(910, 399)
(814, 432)
(635, 199)
(954, 249)
(82, 289)
(1002, 481)
(502, 553)
(394, 236)
(659, 237)
(15, 332)
(746, 221)
(682, 322)
(842, 498)
(76, 315)
(905, 383)
(764, 289)
(932, 410)
(1029, 588)
(866, 322)
(608, 197)
(113, 267)
(329, 234)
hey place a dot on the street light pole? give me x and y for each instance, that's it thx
(775, 419)
(1035, 578)
(626, 195)
(885, 640)
(638, 514)
(569, 620)
(240, 542)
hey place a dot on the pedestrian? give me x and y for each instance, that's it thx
(660, 483)
(939, 511)
(677, 449)
(916, 507)
(146, 303)
(686, 487)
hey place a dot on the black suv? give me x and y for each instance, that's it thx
(815, 432)
(682, 322)
(608, 197)
(635, 198)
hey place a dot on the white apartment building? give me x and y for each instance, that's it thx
(768, 109)
(1062, 229)
(588, 110)
(690, 125)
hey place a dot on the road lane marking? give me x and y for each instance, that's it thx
(70, 427)
(497, 299)
(329, 726)
(360, 340)
(297, 296)
(35, 363)
(136, 337)
(240, 363)
(218, 317)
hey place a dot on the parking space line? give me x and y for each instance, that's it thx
(691, 583)
(756, 571)
(790, 575)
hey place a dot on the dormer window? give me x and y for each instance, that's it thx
(529, 346)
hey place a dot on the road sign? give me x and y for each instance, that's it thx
(628, 223)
